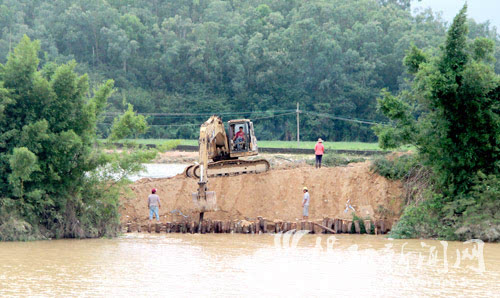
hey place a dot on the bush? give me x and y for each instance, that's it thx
(480, 218)
(12, 226)
(475, 215)
(418, 221)
(415, 177)
(397, 168)
(168, 145)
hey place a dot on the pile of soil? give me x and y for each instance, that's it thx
(276, 194)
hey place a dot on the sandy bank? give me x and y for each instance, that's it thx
(276, 194)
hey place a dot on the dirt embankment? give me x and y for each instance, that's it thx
(276, 194)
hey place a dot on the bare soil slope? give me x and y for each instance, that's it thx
(276, 194)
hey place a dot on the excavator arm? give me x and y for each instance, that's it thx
(212, 139)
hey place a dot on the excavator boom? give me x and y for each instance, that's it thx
(219, 155)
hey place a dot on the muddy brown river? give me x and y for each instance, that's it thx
(161, 265)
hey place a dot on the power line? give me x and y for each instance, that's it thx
(284, 113)
(195, 124)
(369, 122)
(201, 114)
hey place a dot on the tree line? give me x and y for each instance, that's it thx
(212, 56)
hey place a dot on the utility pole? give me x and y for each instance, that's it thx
(298, 126)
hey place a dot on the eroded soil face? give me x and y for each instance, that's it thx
(274, 195)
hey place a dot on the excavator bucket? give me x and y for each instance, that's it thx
(205, 204)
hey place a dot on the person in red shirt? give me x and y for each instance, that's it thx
(319, 149)
(239, 137)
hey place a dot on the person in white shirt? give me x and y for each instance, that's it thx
(305, 204)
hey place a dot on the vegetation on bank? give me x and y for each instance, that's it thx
(251, 57)
(53, 181)
(451, 114)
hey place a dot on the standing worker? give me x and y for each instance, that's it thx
(319, 149)
(305, 204)
(154, 205)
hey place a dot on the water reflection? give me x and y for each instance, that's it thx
(239, 265)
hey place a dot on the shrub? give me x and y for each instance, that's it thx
(397, 168)
(418, 221)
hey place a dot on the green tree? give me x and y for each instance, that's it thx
(48, 161)
(455, 123)
(128, 125)
(22, 162)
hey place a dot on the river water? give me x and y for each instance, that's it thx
(159, 170)
(225, 265)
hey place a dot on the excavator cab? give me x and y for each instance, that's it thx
(239, 145)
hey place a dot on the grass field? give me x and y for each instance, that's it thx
(281, 144)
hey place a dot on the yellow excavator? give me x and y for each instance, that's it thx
(219, 155)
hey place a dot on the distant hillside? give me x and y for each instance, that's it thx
(254, 57)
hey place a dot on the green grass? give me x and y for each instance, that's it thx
(283, 144)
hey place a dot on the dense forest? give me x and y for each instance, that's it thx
(258, 58)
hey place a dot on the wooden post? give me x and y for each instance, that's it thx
(149, 228)
(209, 226)
(257, 226)
(356, 227)
(329, 224)
(349, 226)
(344, 226)
(382, 226)
(324, 228)
(317, 228)
(203, 227)
(263, 225)
(325, 223)
(219, 226)
(368, 226)
(298, 126)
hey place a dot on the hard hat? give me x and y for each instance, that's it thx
(153, 190)
(305, 188)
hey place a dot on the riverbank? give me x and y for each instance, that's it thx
(275, 196)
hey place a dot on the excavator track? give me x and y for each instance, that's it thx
(229, 168)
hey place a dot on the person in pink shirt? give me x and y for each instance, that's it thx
(319, 149)
(239, 137)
